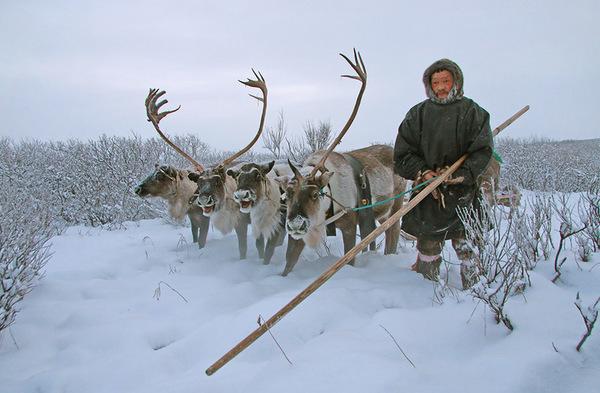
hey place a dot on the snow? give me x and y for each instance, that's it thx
(143, 310)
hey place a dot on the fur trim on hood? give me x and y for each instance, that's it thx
(457, 89)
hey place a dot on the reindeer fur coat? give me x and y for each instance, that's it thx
(434, 135)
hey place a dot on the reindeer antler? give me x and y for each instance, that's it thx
(155, 117)
(261, 84)
(361, 71)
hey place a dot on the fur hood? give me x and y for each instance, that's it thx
(457, 89)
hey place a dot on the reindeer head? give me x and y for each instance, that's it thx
(160, 183)
(305, 205)
(212, 183)
(251, 184)
(211, 192)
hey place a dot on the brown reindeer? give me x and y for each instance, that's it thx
(214, 189)
(309, 198)
(177, 189)
(340, 185)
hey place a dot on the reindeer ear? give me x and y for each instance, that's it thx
(283, 181)
(233, 173)
(323, 180)
(169, 170)
(193, 176)
(264, 169)
(295, 170)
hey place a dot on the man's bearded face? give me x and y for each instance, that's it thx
(441, 83)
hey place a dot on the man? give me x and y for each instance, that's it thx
(433, 135)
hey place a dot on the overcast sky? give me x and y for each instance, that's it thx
(79, 69)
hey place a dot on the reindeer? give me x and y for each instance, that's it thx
(177, 189)
(214, 189)
(309, 196)
(258, 193)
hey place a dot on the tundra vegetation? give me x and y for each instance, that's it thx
(47, 186)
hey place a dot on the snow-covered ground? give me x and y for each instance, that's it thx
(143, 310)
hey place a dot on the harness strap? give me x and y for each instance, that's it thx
(366, 217)
(330, 230)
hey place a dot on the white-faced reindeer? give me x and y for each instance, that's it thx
(310, 196)
(177, 189)
(258, 193)
(341, 185)
(214, 188)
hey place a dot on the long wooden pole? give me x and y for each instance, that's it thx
(346, 258)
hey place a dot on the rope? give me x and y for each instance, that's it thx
(497, 156)
(421, 185)
(345, 209)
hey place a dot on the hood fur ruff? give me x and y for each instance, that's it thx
(457, 89)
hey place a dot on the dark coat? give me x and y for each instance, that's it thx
(432, 136)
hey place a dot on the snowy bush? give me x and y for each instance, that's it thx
(25, 229)
(91, 183)
(589, 214)
(273, 137)
(589, 315)
(532, 229)
(544, 165)
(314, 138)
(500, 271)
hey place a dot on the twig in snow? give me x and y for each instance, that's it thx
(398, 345)
(260, 322)
(473, 312)
(157, 291)
(565, 233)
(13, 338)
(590, 315)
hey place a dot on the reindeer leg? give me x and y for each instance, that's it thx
(281, 230)
(241, 229)
(349, 237)
(292, 254)
(275, 241)
(270, 249)
(260, 246)
(194, 230)
(202, 232)
(392, 234)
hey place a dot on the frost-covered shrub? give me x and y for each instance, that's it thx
(314, 138)
(532, 229)
(545, 165)
(589, 315)
(589, 214)
(570, 225)
(25, 229)
(91, 183)
(500, 271)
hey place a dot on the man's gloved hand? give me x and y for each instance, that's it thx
(451, 180)
(427, 175)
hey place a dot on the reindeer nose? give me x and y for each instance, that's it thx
(240, 195)
(205, 200)
(297, 224)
